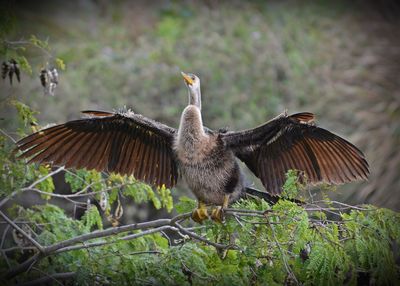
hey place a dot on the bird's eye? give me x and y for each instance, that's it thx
(193, 78)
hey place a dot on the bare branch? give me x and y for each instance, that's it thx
(6, 199)
(7, 135)
(101, 243)
(287, 266)
(202, 239)
(52, 173)
(50, 278)
(28, 237)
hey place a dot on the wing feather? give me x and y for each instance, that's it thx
(294, 142)
(124, 143)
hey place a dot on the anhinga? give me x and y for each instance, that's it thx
(129, 143)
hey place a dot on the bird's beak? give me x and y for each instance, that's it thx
(187, 78)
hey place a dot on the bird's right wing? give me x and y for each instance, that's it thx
(124, 143)
(294, 142)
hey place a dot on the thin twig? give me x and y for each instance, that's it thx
(6, 199)
(7, 135)
(28, 237)
(288, 269)
(52, 173)
(102, 243)
(202, 239)
(49, 278)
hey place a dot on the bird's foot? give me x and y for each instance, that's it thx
(218, 214)
(200, 214)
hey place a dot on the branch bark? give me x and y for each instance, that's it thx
(50, 278)
(148, 227)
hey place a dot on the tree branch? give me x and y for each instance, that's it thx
(6, 199)
(49, 278)
(152, 226)
(28, 237)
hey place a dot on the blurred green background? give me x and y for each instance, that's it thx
(337, 59)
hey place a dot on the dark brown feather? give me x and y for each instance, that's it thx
(117, 142)
(294, 142)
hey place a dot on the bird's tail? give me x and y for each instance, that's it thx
(271, 199)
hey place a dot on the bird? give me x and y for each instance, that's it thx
(128, 143)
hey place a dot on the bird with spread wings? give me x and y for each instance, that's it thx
(129, 143)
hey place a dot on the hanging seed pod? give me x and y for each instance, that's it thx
(103, 201)
(4, 70)
(305, 252)
(49, 80)
(53, 75)
(43, 77)
(10, 68)
(18, 237)
(119, 211)
(52, 88)
(15, 68)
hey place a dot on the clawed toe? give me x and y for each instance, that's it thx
(218, 215)
(199, 215)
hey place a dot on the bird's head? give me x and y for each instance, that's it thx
(193, 84)
(192, 81)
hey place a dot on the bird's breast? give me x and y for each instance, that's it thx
(191, 150)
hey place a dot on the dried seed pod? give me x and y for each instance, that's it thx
(4, 70)
(49, 80)
(103, 201)
(15, 68)
(53, 75)
(18, 237)
(119, 211)
(52, 88)
(305, 252)
(43, 77)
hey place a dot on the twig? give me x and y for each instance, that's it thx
(288, 269)
(6, 199)
(102, 243)
(28, 237)
(49, 278)
(45, 177)
(24, 43)
(76, 195)
(7, 135)
(202, 239)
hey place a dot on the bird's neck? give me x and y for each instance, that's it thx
(195, 98)
(191, 126)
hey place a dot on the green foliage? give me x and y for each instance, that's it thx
(26, 115)
(92, 217)
(60, 64)
(24, 64)
(39, 43)
(47, 184)
(292, 185)
(185, 205)
(166, 198)
(360, 242)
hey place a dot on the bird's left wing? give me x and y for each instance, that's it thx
(122, 142)
(294, 142)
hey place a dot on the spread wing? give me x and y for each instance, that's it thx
(124, 143)
(294, 142)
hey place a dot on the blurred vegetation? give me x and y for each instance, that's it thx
(255, 59)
